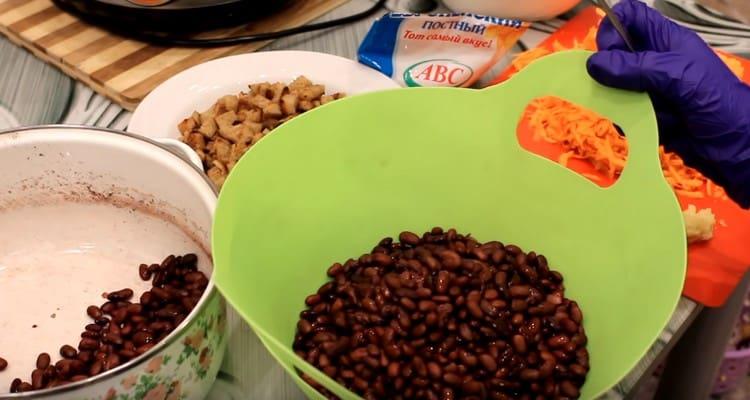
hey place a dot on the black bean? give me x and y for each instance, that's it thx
(123, 294)
(467, 358)
(42, 361)
(126, 330)
(558, 341)
(530, 374)
(112, 339)
(90, 335)
(50, 372)
(37, 379)
(68, 351)
(408, 238)
(452, 379)
(85, 356)
(408, 303)
(434, 370)
(427, 305)
(94, 312)
(112, 361)
(513, 249)
(161, 326)
(108, 307)
(144, 272)
(472, 387)
(394, 369)
(134, 309)
(189, 260)
(569, 326)
(96, 368)
(472, 304)
(312, 300)
(119, 315)
(147, 298)
(382, 259)
(167, 313)
(519, 343)
(88, 344)
(519, 290)
(334, 270)
(451, 260)
(160, 277)
(127, 354)
(488, 362)
(501, 279)
(569, 389)
(160, 294)
(141, 338)
(63, 368)
(441, 316)
(144, 348)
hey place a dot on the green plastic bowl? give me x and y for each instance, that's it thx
(329, 185)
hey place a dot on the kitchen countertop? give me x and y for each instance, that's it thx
(32, 92)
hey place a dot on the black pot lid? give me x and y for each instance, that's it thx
(170, 15)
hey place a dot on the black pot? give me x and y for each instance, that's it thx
(183, 16)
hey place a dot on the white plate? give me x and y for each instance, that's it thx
(198, 88)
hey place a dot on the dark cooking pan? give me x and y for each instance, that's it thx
(139, 16)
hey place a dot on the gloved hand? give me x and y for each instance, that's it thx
(702, 108)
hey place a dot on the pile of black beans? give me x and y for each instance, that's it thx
(444, 317)
(121, 329)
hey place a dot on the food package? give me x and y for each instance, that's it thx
(438, 49)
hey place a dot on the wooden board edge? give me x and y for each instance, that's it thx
(321, 10)
(128, 103)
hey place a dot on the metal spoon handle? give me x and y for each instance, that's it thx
(615, 20)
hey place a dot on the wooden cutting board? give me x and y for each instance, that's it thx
(122, 69)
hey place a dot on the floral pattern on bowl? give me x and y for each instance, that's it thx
(184, 370)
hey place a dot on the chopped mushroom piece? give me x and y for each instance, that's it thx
(224, 132)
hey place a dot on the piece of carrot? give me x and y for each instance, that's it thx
(586, 135)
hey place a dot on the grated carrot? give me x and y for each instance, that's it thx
(586, 135)
(685, 193)
(564, 158)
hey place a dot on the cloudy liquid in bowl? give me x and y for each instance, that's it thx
(57, 260)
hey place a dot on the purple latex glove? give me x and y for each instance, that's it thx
(702, 108)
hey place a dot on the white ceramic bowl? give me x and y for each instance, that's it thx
(198, 88)
(54, 163)
(526, 10)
